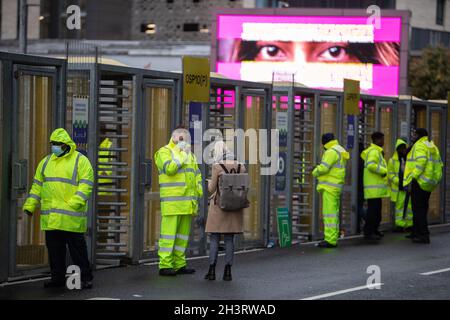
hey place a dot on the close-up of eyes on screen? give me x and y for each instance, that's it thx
(318, 51)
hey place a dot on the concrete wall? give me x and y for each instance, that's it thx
(424, 13)
(170, 17)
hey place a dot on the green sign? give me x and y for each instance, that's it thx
(284, 228)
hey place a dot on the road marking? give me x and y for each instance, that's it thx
(335, 293)
(434, 272)
(101, 298)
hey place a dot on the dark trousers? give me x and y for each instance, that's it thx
(373, 217)
(419, 202)
(56, 242)
(214, 248)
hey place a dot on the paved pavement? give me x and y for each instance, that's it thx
(300, 272)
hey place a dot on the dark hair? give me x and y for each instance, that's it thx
(421, 132)
(377, 135)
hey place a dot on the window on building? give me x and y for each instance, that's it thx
(440, 9)
(148, 28)
(191, 27)
(420, 38)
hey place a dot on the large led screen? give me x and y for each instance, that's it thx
(318, 52)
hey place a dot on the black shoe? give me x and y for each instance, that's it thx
(379, 234)
(325, 244)
(410, 236)
(227, 273)
(372, 237)
(211, 275)
(425, 240)
(167, 272)
(54, 284)
(185, 270)
(86, 285)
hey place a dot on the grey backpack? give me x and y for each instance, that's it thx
(232, 190)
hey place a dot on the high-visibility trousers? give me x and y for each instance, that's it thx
(407, 221)
(173, 241)
(330, 212)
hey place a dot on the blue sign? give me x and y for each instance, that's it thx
(280, 177)
(195, 114)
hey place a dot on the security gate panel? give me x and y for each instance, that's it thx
(35, 118)
(157, 121)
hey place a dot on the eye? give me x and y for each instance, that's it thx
(270, 52)
(335, 53)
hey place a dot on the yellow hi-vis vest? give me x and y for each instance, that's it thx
(424, 164)
(331, 171)
(180, 181)
(393, 170)
(375, 185)
(62, 185)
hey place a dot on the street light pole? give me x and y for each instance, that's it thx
(23, 27)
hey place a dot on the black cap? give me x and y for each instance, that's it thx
(327, 137)
(421, 132)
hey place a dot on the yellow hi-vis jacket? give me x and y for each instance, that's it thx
(393, 170)
(375, 167)
(62, 185)
(180, 181)
(331, 171)
(424, 164)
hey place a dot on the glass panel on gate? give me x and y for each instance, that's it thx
(157, 134)
(35, 124)
(434, 210)
(254, 108)
(328, 123)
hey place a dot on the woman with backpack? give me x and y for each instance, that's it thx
(219, 221)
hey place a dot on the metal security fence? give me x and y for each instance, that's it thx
(120, 116)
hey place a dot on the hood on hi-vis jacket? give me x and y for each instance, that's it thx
(332, 143)
(61, 135)
(365, 151)
(432, 147)
(398, 143)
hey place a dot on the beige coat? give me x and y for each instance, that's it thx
(223, 221)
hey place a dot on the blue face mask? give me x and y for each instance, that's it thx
(57, 150)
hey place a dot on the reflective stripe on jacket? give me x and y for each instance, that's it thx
(62, 186)
(180, 180)
(375, 185)
(424, 164)
(331, 171)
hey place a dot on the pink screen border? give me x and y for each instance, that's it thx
(230, 26)
(386, 79)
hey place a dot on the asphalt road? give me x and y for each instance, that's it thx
(299, 272)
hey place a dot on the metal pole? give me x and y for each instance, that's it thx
(23, 19)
